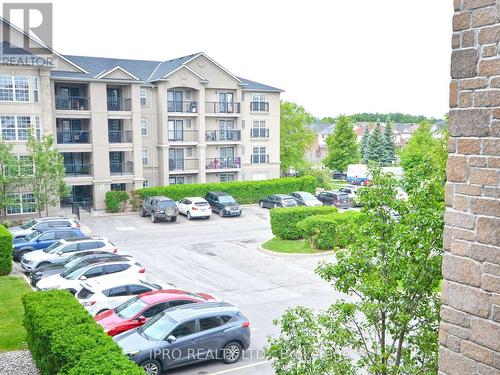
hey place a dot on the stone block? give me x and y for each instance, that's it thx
(455, 364)
(489, 68)
(485, 206)
(488, 231)
(469, 122)
(456, 168)
(483, 176)
(462, 270)
(464, 63)
(483, 17)
(468, 146)
(460, 219)
(486, 333)
(467, 299)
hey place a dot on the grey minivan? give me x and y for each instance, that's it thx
(187, 334)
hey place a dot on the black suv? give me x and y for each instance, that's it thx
(159, 208)
(223, 203)
(334, 198)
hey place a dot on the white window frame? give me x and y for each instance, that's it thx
(259, 155)
(20, 132)
(223, 177)
(145, 156)
(144, 127)
(25, 202)
(259, 128)
(259, 98)
(143, 94)
(16, 89)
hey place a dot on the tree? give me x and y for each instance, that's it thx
(9, 177)
(343, 149)
(364, 145)
(295, 135)
(390, 272)
(389, 149)
(47, 181)
(375, 149)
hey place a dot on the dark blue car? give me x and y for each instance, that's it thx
(40, 240)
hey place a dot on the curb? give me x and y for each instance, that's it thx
(292, 255)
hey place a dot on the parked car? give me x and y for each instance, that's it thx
(195, 332)
(136, 311)
(45, 225)
(159, 208)
(278, 200)
(194, 207)
(99, 296)
(303, 198)
(334, 198)
(41, 240)
(63, 249)
(26, 227)
(71, 278)
(352, 192)
(223, 204)
(81, 259)
(336, 175)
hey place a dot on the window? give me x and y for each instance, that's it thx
(259, 155)
(259, 129)
(119, 187)
(144, 127)
(62, 235)
(94, 272)
(70, 248)
(188, 95)
(15, 89)
(114, 268)
(138, 289)
(185, 329)
(258, 103)
(22, 203)
(209, 323)
(36, 92)
(21, 89)
(189, 152)
(48, 236)
(145, 183)
(118, 291)
(89, 245)
(145, 157)
(175, 130)
(176, 180)
(144, 96)
(153, 310)
(24, 166)
(226, 177)
(17, 128)
(179, 303)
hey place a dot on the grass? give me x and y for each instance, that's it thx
(12, 333)
(289, 246)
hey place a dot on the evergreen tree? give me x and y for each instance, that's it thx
(375, 149)
(364, 145)
(389, 147)
(343, 149)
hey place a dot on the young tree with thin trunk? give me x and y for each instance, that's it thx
(343, 148)
(9, 177)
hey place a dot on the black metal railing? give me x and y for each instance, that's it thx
(259, 106)
(260, 159)
(182, 135)
(120, 136)
(78, 169)
(180, 106)
(182, 164)
(222, 107)
(222, 135)
(119, 104)
(259, 133)
(223, 163)
(121, 168)
(73, 103)
(73, 136)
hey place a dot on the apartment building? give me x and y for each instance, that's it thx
(125, 124)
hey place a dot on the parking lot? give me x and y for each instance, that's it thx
(220, 256)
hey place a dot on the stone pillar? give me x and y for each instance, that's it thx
(470, 314)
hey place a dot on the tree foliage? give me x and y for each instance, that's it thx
(9, 177)
(364, 145)
(295, 135)
(389, 153)
(396, 117)
(343, 148)
(375, 149)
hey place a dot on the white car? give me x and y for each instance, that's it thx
(305, 198)
(98, 296)
(63, 249)
(72, 278)
(194, 207)
(401, 194)
(43, 224)
(351, 191)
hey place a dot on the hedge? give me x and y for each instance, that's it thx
(114, 199)
(5, 251)
(243, 191)
(284, 220)
(62, 336)
(332, 231)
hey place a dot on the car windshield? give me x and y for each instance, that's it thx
(72, 272)
(157, 327)
(307, 196)
(32, 235)
(29, 224)
(72, 261)
(130, 308)
(226, 199)
(52, 249)
(164, 204)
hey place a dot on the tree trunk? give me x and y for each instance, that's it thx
(382, 344)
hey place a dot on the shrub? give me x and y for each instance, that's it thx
(62, 336)
(332, 231)
(242, 191)
(5, 251)
(284, 220)
(114, 199)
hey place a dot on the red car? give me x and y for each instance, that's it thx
(137, 310)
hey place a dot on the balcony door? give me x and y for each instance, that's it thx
(114, 130)
(226, 102)
(227, 157)
(113, 96)
(174, 99)
(175, 130)
(65, 95)
(115, 161)
(176, 159)
(226, 128)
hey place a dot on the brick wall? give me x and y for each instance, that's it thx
(470, 325)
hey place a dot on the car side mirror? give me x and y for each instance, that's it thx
(83, 277)
(171, 338)
(59, 253)
(141, 319)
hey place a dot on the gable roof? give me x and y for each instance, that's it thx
(322, 128)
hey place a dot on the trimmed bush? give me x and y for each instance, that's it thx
(5, 251)
(243, 191)
(114, 199)
(332, 231)
(284, 220)
(62, 336)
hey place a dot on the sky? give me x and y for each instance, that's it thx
(331, 56)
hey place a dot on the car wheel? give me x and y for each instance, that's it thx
(153, 218)
(189, 215)
(231, 353)
(261, 204)
(173, 219)
(221, 212)
(151, 367)
(20, 256)
(142, 213)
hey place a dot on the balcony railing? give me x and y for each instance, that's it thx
(182, 135)
(260, 159)
(78, 170)
(182, 164)
(222, 135)
(72, 103)
(222, 107)
(223, 163)
(73, 136)
(259, 133)
(259, 106)
(182, 106)
(120, 136)
(118, 169)
(119, 104)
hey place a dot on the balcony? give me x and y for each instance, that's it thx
(183, 135)
(119, 104)
(73, 137)
(120, 136)
(121, 169)
(260, 159)
(222, 135)
(78, 170)
(182, 164)
(259, 106)
(223, 163)
(259, 133)
(72, 103)
(222, 107)
(179, 106)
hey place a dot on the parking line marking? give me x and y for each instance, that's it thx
(238, 368)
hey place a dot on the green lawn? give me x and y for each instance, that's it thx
(12, 333)
(289, 246)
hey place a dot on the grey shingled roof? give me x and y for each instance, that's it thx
(322, 128)
(252, 85)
